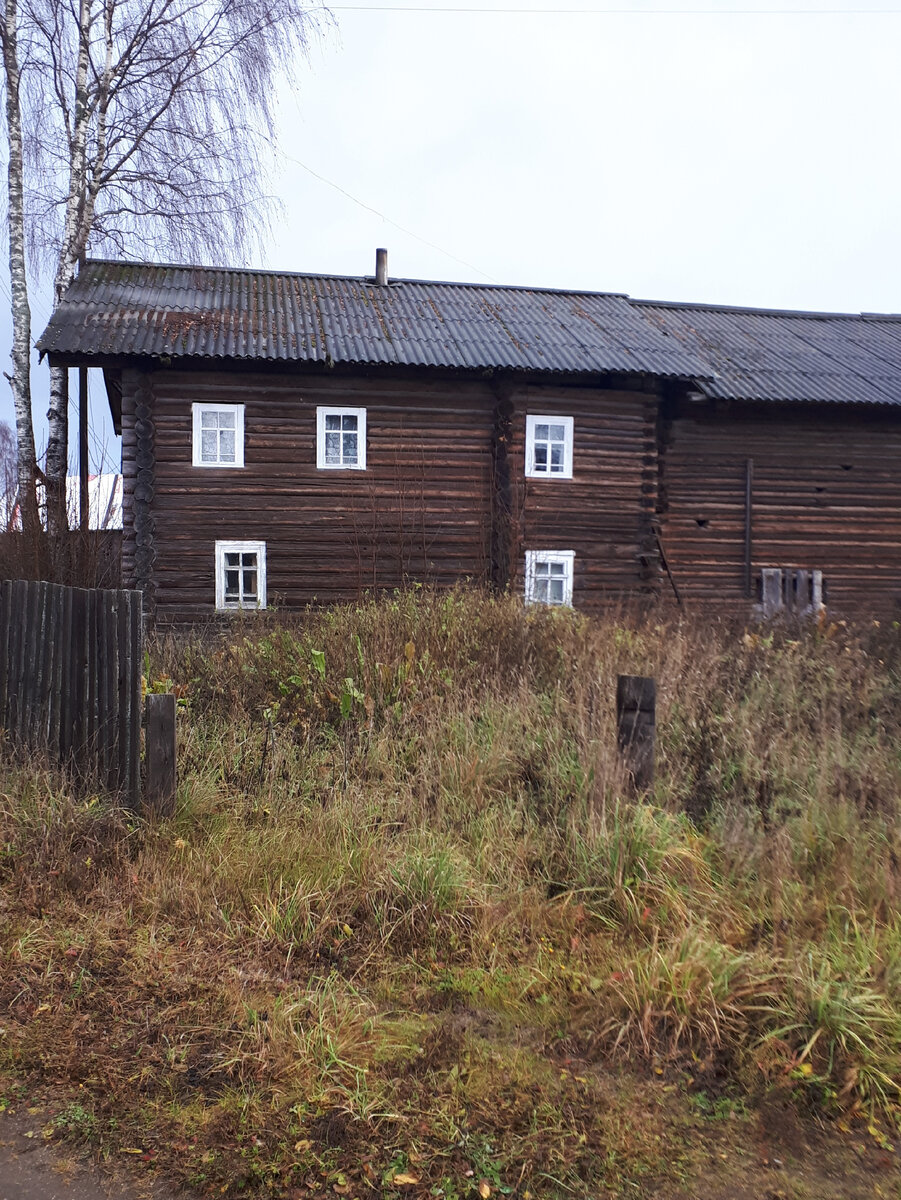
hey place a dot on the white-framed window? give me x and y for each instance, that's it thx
(549, 576)
(218, 435)
(240, 575)
(549, 447)
(341, 439)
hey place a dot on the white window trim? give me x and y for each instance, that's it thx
(360, 414)
(197, 441)
(568, 424)
(533, 557)
(223, 548)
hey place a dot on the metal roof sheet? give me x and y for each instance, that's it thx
(760, 354)
(122, 309)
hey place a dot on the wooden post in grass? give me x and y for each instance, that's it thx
(636, 702)
(159, 755)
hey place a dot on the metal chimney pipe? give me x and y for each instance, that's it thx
(381, 266)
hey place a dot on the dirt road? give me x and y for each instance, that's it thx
(31, 1168)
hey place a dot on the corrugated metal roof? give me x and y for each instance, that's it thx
(760, 354)
(116, 309)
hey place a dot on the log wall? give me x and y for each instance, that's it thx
(604, 512)
(826, 494)
(426, 508)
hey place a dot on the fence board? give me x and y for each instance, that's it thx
(76, 683)
(129, 690)
(19, 682)
(136, 656)
(57, 655)
(5, 619)
(70, 679)
(67, 649)
(44, 656)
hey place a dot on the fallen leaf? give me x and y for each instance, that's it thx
(130, 1150)
(484, 1189)
(406, 1179)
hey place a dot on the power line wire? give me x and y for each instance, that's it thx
(409, 232)
(625, 12)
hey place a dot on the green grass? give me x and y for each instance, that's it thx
(406, 884)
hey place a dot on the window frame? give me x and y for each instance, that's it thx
(535, 557)
(240, 547)
(323, 411)
(198, 408)
(568, 424)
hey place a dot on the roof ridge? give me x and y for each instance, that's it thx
(817, 314)
(392, 280)
(637, 302)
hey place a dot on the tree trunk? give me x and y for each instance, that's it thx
(20, 380)
(75, 233)
(57, 460)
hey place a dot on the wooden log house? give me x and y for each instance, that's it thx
(291, 439)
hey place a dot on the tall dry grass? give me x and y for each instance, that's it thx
(415, 805)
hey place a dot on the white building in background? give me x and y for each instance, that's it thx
(104, 501)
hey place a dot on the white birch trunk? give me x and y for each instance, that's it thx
(20, 380)
(71, 251)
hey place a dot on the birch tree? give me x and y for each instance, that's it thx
(20, 379)
(150, 129)
(8, 477)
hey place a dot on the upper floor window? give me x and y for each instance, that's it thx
(240, 575)
(218, 435)
(341, 438)
(549, 576)
(549, 447)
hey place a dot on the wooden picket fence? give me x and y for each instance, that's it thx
(70, 680)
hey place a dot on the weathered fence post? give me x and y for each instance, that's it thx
(159, 755)
(636, 702)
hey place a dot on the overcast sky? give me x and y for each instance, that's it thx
(744, 157)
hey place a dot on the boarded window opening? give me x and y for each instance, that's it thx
(794, 591)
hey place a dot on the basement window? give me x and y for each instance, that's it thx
(240, 575)
(793, 591)
(549, 576)
(341, 439)
(218, 439)
(549, 447)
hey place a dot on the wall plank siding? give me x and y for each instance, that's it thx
(826, 495)
(604, 512)
(415, 513)
(422, 510)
